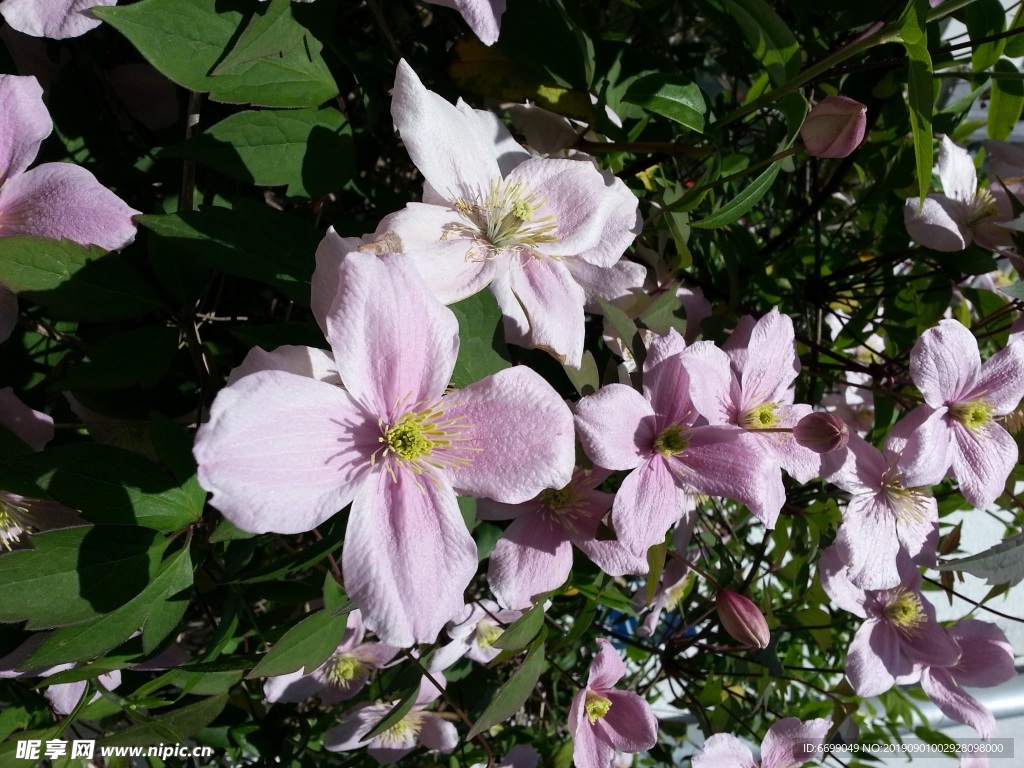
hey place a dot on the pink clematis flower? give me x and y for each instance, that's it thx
(284, 452)
(787, 744)
(986, 659)
(57, 200)
(965, 213)
(603, 719)
(534, 555)
(472, 635)
(534, 229)
(482, 16)
(656, 435)
(339, 678)
(900, 635)
(54, 19)
(418, 727)
(967, 396)
(890, 510)
(750, 385)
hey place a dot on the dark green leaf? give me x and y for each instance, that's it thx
(671, 96)
(309, 150)
(74, 574)
(305, 646)
(743, 202)
(1007, 101)
(921, 89)
(396, 713)
(769, 38)
(184, 39)
(139, 356)
(182, 723)
(76, 281)
(516, 690)
(522, 630)
(270, 32)
(482, 350)
(112, 485)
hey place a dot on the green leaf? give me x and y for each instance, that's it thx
(670, 96)
(271, 31)
(76, 281)
(305, 646)
(82, 642)
(140, 356)
(309, 150)
(522, 630)
(181, 723)
(985, 18)
(75, 574)
(185, 39)
(395, 714)
(769, 38)
(920, 89)
(1015, 45)
(482, 350)
(743, 202)
(516, 690)
(1015, 291)
(1007, 101)
(656, 557)
(1000, 564)
(112, 485)
(252, 240)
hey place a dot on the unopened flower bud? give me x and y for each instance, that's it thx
(821, 432)
(742, 619)
(834, 127)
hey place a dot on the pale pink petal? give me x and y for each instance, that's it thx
(922, 443)
(532, 557)
(616, 426)
(575, 196)
(438, 734)
(1001, 381)
(355, 631)
(629, 725)
(982, 461)
(508, 152)
(486, 509)
(945, 363)
(956, 171)
(867, 539)
(64, 697)
(771, 365)
(482, 16)
(790, 742)
(283, 453)
(837, 584)
(407, 557)
(724, 750)
(329, 254)
(986, 657)
(455, 158)
(609, 555)
(876, 658)
(800, 463)
(662, 348)
(588, 750)
(518, 437)
(26, 122)
(622, 223)
(938, 224)
(65, 201)
(8, 313)
(553, 304)
(348, 734)
(931, 645)
(647, 504)
(606, 669)
(697, 309)
(520, 756)
(859, 468)
(394, 343)
(375, 655)
(447, 261)
(300, 361)
(33, 428)
(711, 382)
(956, 703)
(292, 688)
(54, 19)
(666, 382)
(621, 280)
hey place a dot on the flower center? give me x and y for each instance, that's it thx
(487, 633)
(505, 219)
(906, 612)
(981, 207)
(974, 415)
(15, 518)
(407, 439)
(760, 417)
(910, 505)
(671, 441)
(342, 670)
(417, 437)
(403, 731)
(596, 706)
(674, 594)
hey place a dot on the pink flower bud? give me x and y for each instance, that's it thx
(821, 432)
(835, 127)
(742, 619)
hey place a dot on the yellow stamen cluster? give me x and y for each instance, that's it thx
(910, 505)
(906, 612)
(596, 706)
(760, 417)
(982, 206)
(671, 441)
(420, 440)
(974, 414)
(562, 506)
(487, 633)
(342, 669)
(15, 518)
(404, 731)
(504, 220)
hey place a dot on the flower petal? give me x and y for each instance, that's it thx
(938, 224)
(606, 669)
(449, 149)
(837, 585)
(588, 749)
(553, 303)
(956, 171)
(394, 343)
(26, 121)
(616, 425)
(724, 749)
(329, 254)
(647, 504)
(291, 688)
(875, 658)
(53, 19)
(955, 703)
(945, 363)
(407, 557)
(982, 461)
(518, 438)
(711, 382)
(771, 363)
(64, 201)
(300, 361)
(482, 16)
(436, 733)
(621, 280)
(348, 734)
(532, 557)
(868, 542)
(790, 742)
(629, 725)
(283, 453)
(33, 428)
(986, 656)
(922, 443)
(1001, 380)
